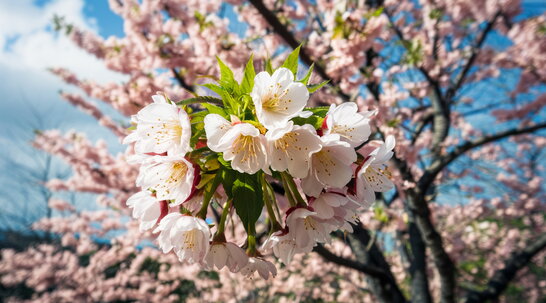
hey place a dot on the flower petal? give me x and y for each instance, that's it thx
(216, 127)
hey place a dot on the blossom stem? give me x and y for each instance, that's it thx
(208, 196)
(268, 201)
(287, 191)
(204, 209)
(251, 250)
(222, 224)
(271, 192)
(293, 188)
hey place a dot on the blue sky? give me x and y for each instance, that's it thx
(108, 22)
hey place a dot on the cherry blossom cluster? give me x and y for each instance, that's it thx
(256, 134)
(393, 56)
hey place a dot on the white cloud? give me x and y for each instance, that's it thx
(28, 46)
(23, 16)
(27, 41)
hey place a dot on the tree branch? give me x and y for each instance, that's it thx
(475, 51)
(181, 80)
(371, 270)
(289, 38)
(442, 113)
(385, 290)
(437, 166)
(418, 268)
(502, 277)
(421, 126)
(419, 206)
(433, 240)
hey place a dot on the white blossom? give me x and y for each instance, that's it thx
(337, 209)
(306, 228)
(346, 121)
(290, 148)
(161, 128)
(187, 236)
(226, 254)
(373, 176)
(326, 204)
(215, 128)
(277, 98)
(146, 208)
(330, 167)
(263, 267)
(171, 177)
(283, 245)
(242, 143)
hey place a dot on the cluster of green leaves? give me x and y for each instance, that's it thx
(541, 29)
(414, 52)
(436, 14)
(59, 24)
(343, 29)
(202, 21)
(316, 120)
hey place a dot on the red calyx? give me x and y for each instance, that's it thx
(201, 144)
(156, 154)
(196, 180)
(164, 205)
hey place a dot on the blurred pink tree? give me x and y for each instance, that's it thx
(459, 84)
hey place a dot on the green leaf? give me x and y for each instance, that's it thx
(313, 88)
(228, 101)
(213, 109)
(393, 123)
(378, 12)
(542, 29)
(414, 54)
(197, 127)
(209, 191)
(228, 177)
(319, 110)
(197, 117)
(248, 77)
(200, 99)
(291, 61)
(305, 79)
(199, 17)
(341, 29)
(315, 121)
(201, 20)
(268, 66)
(435, 14)
(196, 134)
(248, 199)
(224, 162)
(375, 13)
(247, 108)
(213, 87)
(380, 215)
(227, 80)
